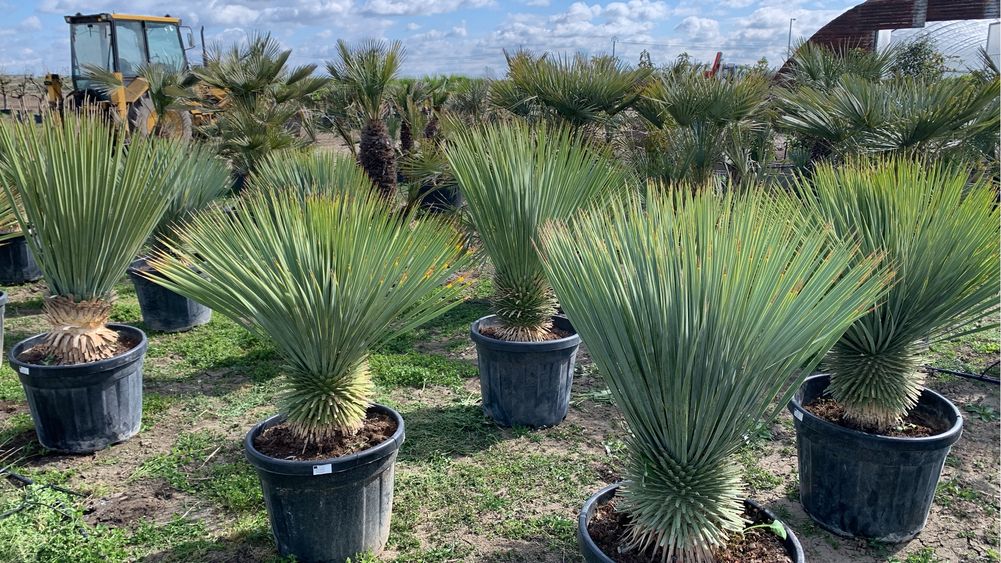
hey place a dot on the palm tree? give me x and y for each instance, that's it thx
(579, 91)
(699, 125)
(260, 101)
(365, 72)
(907, 116)
(821, 66)
(169, 96)
(701, 311)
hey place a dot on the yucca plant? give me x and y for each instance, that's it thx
(201, 178)
(701, 313)
(365, 72)
(940, 234)
(311, 173)
(323, 278)
(91, 198)
(514, 178)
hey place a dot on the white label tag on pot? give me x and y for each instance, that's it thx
(321, 469)
(23, 370)
(798, 415)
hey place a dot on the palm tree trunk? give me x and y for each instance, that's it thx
(377, 157)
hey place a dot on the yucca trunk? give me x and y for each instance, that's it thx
(705, 496)
(876, 388)
(525, 306)
(376, 156)
(320, 406)
(79, 332)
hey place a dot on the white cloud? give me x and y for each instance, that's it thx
(413, 26)
(30, 23)
(419, 7)
(699, 29)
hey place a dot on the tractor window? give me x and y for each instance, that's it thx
(91, 45)
(164, 44)
(131, 47)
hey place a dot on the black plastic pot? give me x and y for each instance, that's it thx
(83, 408)
(162, 309)
(17, 265)
(593, 554)
(438, 199)
(329, 510)
(526, 383)
(3, 313)
(858, 484)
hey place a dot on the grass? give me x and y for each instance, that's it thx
(466, 490)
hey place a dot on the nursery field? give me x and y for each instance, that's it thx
(466, 490)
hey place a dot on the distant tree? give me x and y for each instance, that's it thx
(762, 65)
(919, 59)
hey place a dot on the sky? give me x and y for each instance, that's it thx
(445, 36)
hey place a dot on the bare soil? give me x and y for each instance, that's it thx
(281, 442)
(914, 424)
(609, 528)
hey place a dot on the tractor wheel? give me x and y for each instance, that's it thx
(176, 125)
(142, 116)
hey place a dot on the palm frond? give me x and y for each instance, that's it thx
(366, 71)
(702, 313)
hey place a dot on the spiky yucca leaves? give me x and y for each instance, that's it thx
(201, 177)
(703, 313)
(91, 197)
(365, 72)
(325, 279)
(311, 173)
(940, 234)
(514, 178)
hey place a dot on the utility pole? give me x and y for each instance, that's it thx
(789, 44)
(614, 39)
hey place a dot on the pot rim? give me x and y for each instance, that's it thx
(791, 543)
(942, 439)
(521, 346)
(90, 367)
(337, 464)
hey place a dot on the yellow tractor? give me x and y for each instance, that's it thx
(121, 44)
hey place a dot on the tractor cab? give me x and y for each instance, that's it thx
(122, 43)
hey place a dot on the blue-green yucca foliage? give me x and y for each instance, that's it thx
(514, 178)
(939, 232)
(323, 277)
(703, 314)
